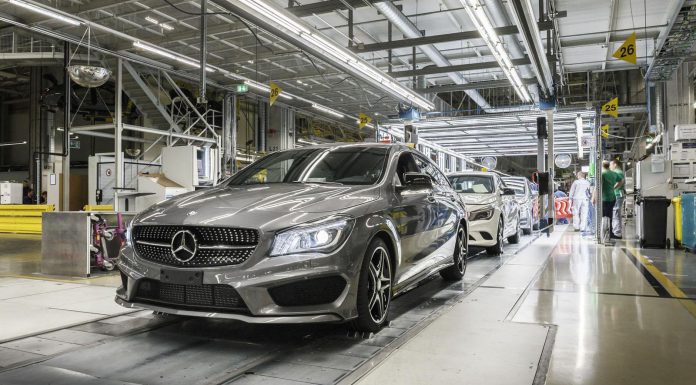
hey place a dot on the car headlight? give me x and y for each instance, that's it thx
(482, 214)
(322, 236)
(129, 234)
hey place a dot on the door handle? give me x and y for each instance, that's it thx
(431, 198)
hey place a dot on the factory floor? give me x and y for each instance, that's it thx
(554, 310)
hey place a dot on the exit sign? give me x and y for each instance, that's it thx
(74, 144)
(242, 88)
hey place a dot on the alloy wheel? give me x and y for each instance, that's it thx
(461, 261)
(379, 285)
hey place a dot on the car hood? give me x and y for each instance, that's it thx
(257, 206)
(477, 199)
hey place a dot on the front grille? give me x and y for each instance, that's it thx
(193, 297)
(217, 246)
(315, 291)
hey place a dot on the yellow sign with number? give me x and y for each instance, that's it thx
(627, 51)
(275, 92)
(363, 120)
(611, 108)
(605, 131)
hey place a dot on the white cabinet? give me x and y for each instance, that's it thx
(10, 193)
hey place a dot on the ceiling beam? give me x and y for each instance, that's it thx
(325, 7)
(444, 38)
(471, 86)
(433, 70)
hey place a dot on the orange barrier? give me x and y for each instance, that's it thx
(562, 207)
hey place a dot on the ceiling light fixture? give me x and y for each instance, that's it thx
(155, 22)
(45, 12)
(327, 110)
(578, 130)
(169, 55)
(478, 16)
(262, 12)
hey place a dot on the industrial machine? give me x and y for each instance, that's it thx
(10, 193)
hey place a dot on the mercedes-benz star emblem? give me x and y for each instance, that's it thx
(184, 246)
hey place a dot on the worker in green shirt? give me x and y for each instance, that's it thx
(620, 192)
(609, 179)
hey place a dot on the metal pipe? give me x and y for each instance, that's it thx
(118, 133)
(396, 17)
(551, 164)
(229, 133)
(155, 131)
(204, 51)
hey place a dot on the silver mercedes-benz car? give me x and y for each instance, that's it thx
(316, 234)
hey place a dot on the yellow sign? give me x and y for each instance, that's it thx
(627, 51)
(611, 108)
(364, 120)
(275, 92)
(484, 169)
(605, 131)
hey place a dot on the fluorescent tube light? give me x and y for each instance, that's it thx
(168, 55)
(151, 20)
(45, 12)
(155, 22)
(478, 16)
(334, 53)
(327, 110)
(265, 88)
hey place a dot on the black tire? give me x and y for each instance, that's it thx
(527, 231)
(515, 239)
(497, 249)
(457, 270)
(374, 285)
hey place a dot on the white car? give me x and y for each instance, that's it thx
(527, 199)
(493, 211)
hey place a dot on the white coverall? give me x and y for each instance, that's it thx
(579, 194)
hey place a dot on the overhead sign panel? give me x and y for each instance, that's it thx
(627, 51)
(275, 92)
(611, 108)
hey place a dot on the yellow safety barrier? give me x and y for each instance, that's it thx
(24, 219)
(98, 208)
(676, 203)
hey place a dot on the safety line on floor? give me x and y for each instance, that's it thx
(61, 280)
(649, 274)
(672, 290)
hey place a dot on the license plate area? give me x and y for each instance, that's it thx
(181, 277)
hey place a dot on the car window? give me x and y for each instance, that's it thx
(473, 184)
(429, 168)
(406, 163)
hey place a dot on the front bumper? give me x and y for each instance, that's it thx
(483, 232)
(253, 281)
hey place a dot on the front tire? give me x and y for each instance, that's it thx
(457, 270)
(374, 288)
(497, 249)
(514, 239)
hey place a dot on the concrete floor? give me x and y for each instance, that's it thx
(560, 311)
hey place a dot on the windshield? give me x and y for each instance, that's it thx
(343, 165)
(472, 184)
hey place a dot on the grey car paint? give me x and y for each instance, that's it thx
(419, 225)
(525, 200)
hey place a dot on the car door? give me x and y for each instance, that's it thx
(447, 212)
(508, 208)
(415, 213)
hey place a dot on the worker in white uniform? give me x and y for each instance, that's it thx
(580, 200)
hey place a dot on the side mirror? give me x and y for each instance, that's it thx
(508, 191)
(417, 180)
